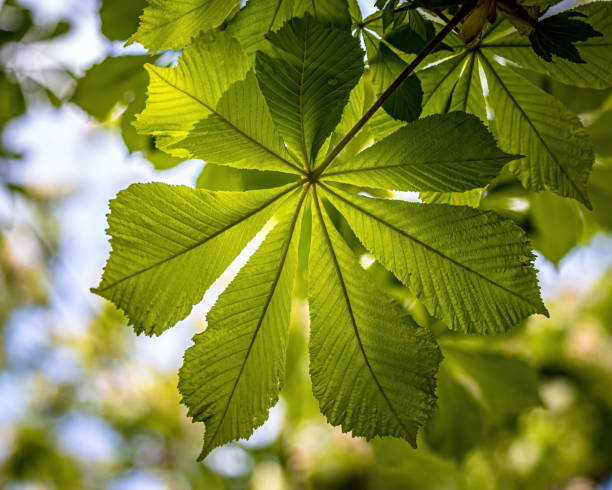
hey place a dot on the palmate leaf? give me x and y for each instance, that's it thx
(472, 269)
(170, 243)
(372, 368)
(171, 24)
(234, 372)
(306, 76)
(531, 122)
(462, 155)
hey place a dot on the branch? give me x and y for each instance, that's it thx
(459, 16)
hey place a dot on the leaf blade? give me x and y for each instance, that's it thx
(233, 373)
(471, 268)
(452, 152)
(178, 98)
(351, 339)
(158, 247)
(240, 138)
(306, 78)
(559, 154)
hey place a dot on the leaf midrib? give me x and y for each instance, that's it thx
(263, 314)
(301, 100)
(228, 122)
(439, 162)
(352, 316)
(432, 249)
(196, 245)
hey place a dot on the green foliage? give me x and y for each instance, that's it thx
(167, 24)
(275, 98)
(307, 78)
(119, 18)
(558, 152)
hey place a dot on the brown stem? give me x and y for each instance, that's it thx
(458, 17)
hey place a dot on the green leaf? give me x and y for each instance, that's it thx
(223, 178)
(452, 152)
(372, 367)
(405, 103)
(307, 76)
(144, 143)
(234, 372)
(505, 384)
(470, 198)
(170, 243)
(557, 35)
(258, 17)
(467, 95)
(113, 81)
(171, 24)
(557, 224)
(119, 18)
(457, 425)
(472, 269)
(12, 103)
(528, 121)
(330, 12)
(180, 96)
(237, 137)
(438, 82)
(479, 389)
(596, 52)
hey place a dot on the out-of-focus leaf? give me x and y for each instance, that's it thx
(113, 81)
(505, 384)
(601, 189)
(601, 134)
(457, 425)
(12, 103)
(120, 18)
(557, 225)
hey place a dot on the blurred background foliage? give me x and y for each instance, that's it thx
(81, 407)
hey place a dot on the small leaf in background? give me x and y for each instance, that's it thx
(120, 18)
(114, 80)
(557, 225)
(557, 35)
